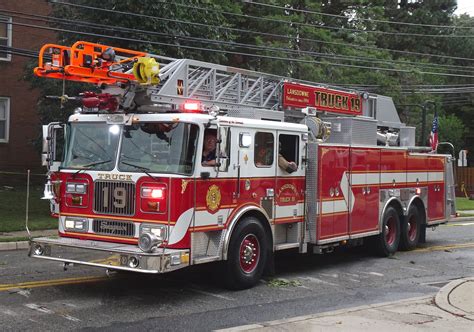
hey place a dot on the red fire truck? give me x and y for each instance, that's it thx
(175, 162)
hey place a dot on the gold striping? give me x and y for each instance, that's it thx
(54, 282)
(447, 247)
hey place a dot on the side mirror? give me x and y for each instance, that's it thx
(52, 151)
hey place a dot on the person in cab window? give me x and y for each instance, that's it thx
(209, 149)
(263, 157)
(285, 165)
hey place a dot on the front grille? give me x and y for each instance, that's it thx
(113, 227)
(117, 198)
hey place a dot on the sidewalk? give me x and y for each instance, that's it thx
(452, 309)
(14, 245)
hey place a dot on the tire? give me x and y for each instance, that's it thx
(410, 229)
(247, 255)
(386, 243)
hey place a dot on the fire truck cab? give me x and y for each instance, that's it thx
(196, 163)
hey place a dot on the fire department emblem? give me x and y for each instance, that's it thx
(213, 198)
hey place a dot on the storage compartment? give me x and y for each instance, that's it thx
(356, 130)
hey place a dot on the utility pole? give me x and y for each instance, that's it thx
(424, 108)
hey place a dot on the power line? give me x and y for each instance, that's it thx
(237, 53)
(326, 27)
(34, 54)
(232, 44)
(437, 92)
(253, 33)
(357, 18)
(457, 104)
(19, 51)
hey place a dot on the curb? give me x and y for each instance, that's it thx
(324, 314)
(461, 219)
(19, 245)
(442, 298)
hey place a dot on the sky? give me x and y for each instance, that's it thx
(465, 6)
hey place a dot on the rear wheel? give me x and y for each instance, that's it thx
(247, 255)
(410, 229)
(386, 243)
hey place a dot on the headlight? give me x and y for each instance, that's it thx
(38, 250)
(158, 230)
(133, 262)
(76, 188)
(148, 241)
(76, 224)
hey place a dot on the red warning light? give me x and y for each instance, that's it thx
(192, 106)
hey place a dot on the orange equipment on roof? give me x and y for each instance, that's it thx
(88, 62)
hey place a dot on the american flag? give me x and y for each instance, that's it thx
(434, 133)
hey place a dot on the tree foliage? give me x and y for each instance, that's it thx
(452, 129)
(337, 42)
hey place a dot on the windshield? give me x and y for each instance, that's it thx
(161, 147)
(92, 146)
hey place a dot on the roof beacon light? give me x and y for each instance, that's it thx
(192, 106)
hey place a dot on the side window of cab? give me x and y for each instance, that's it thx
(263, 149)
(209, 148)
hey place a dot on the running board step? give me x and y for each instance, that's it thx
(283, 246)
(205, 259)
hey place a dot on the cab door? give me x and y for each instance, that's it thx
(250, 178)
(214, 198)
(289, 183)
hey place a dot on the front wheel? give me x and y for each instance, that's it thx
(386, 243)
(247, 255)
(410, 229)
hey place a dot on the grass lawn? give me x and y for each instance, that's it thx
(14, 239)
(464, 204)
(12, 210)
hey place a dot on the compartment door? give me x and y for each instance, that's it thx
(334, 192)
(365, 181)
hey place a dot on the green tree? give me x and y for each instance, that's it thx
(452, 129)
(291, 29)
(161, 17)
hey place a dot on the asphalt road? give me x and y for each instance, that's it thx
(39, 295)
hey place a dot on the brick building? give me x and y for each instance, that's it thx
(19, 123)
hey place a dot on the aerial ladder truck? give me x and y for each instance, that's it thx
(294, 164)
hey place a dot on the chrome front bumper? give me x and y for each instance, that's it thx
(112, 256)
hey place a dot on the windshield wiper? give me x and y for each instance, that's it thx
(86, 166)
(145, 170)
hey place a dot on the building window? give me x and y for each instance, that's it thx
(4, 119)
(5, 38)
